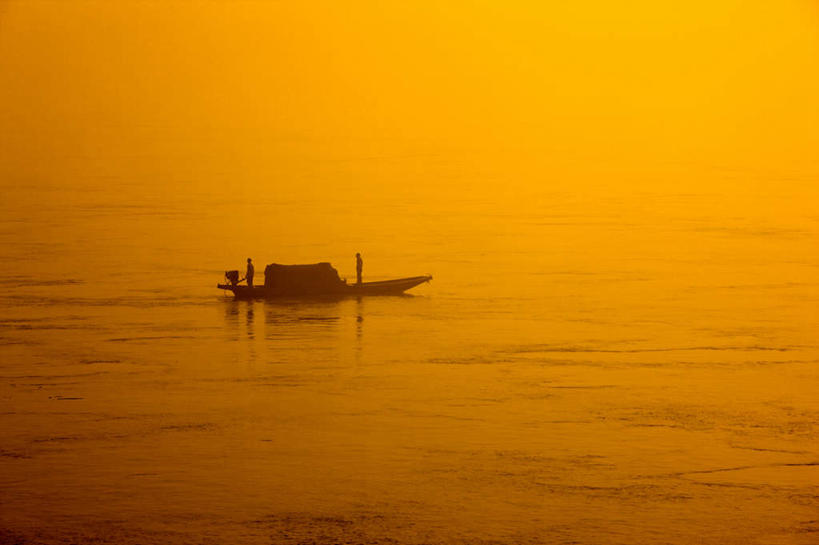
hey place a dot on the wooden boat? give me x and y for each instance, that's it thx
(316, 280)
(384, 287)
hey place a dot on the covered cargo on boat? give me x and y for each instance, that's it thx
(313, 278)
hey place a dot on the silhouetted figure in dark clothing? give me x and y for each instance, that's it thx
(359, 266)
(250, 272)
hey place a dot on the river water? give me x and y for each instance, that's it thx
(626, 360)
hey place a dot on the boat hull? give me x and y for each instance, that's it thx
(385, 287)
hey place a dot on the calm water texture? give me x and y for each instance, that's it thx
(617, 361)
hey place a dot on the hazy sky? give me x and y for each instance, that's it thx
(708, 80)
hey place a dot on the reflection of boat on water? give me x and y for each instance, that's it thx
(317, 280)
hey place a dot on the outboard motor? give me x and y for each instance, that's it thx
(232, 277)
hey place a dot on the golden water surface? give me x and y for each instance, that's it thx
(617, 201)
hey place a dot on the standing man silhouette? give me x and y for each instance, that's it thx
(249, 273)
(359, 266)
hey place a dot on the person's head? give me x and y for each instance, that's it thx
(357, 254)
(248, 260)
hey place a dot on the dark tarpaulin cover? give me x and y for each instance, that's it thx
(314, 277)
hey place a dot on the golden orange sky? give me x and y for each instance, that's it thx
(727, 81)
